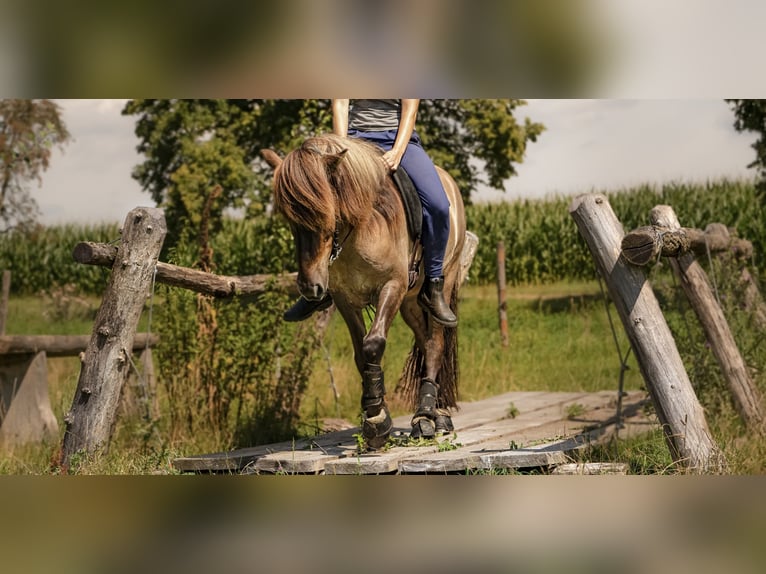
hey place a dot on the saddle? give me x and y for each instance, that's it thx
(413, 210)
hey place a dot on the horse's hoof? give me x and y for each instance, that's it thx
(375, 430)
(423, 427)
(443, 424)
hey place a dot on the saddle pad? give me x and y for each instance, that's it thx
(412, 206)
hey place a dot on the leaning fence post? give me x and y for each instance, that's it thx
(682, 418)
(105, 365)
(700, 294)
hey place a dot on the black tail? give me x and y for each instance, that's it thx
(447, 379)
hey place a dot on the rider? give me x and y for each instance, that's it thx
(390, 124)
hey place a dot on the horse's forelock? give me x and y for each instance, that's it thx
(302, 193)
(313, 182)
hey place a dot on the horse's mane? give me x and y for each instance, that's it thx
(319, 183)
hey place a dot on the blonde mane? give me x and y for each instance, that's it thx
(332, 179)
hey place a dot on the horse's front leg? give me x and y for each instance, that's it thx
(376, 419)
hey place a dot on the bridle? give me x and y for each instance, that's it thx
(337, 245)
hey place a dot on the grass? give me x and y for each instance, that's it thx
(559, 340)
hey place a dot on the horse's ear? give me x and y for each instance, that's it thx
(271, 158)
(334, 159)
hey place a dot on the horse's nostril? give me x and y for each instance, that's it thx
(313, 292)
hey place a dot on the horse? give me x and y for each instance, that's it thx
(351, 240)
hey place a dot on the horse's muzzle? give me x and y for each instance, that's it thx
(312, 291)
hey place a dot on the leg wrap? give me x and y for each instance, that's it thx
(423, 421)
(376, 420)
(429, 390)
(373, 389)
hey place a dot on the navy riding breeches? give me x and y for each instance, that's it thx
(420, 168)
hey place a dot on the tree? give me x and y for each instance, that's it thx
(751, 116)
(195, 146)
(29, 129)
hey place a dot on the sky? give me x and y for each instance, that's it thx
(588, 145)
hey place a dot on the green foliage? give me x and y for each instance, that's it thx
(232, 371)
(29, 129)
(41, 259)
(194, 146)
(751, 116)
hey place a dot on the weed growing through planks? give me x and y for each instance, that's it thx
(512, 412)
(449, 444)
(574, 410)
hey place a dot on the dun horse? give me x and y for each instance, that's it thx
(352, 240)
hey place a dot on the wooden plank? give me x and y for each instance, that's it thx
(470, 414)
(347, 461)
(483, 429)
(591, 468)
(521, 442)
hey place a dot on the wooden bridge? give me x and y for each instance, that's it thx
(517, 430)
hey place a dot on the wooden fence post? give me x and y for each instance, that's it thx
(5, 291)
(680, 414)
(105, 365)
(501, 306)
(697, 288)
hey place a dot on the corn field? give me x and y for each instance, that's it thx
(541, 241)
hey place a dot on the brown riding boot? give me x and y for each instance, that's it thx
(431, 298)
(303, 309)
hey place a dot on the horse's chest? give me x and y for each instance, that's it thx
(360, 279)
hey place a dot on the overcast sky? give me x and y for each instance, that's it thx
(588, 144)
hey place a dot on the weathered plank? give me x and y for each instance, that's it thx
(591, 468)
(486, 437)
(534, 439)
(344, 459)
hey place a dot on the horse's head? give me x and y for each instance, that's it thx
(305, 196)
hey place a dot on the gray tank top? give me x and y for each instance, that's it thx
(374, 115)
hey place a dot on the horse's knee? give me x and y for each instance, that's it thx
(373, 348)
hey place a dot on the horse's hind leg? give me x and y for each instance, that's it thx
(431, 416)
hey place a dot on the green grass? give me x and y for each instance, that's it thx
(560, 339)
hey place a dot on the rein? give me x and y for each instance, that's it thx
(337, 246)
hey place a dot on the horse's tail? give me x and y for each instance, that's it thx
(447, 379)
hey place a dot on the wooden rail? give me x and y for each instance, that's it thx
(61, 345)
(219, 286)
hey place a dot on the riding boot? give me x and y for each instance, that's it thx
(431, 298)
(303, 308)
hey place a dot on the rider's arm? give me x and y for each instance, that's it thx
(403, 135)
(340, 117)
